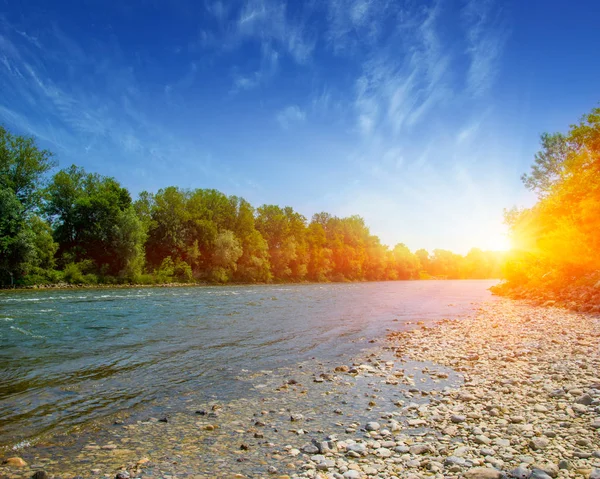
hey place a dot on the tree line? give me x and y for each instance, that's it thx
(84, 228)
(556, 242)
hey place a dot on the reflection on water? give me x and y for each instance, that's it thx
(67, 357)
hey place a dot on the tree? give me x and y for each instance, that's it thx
(548, 165)
(16, 240)
(557, 238)
(227, 250)
(22, 168)
(94, 220)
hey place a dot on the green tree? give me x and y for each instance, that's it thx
(548, 164)
(94, 220)
(227, 251)
(16, 240)
(22, 168)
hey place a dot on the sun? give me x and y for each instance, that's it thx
(500, 242)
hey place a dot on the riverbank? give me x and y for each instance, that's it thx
(580, 294)
(510, 386)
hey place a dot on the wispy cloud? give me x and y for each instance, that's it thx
(269, 63)
(84, 121)
(267, 20)
(486, 36)
(290, 115)
(397, 88)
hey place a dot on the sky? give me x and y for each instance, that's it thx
(419, 116)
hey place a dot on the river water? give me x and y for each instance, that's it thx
(68, 357)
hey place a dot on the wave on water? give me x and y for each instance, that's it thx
(6, 319)
(26, 333)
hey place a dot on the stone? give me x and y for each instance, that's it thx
(595, 474)
(419, 449)
(564, 464)
(14, 462)
(585, 399)
(456, 418)
(481, 439)
(520, 472)
(351, 474)
(383, 452)
(40, 475)
(483, 473)
(373, 426)
(122, 475)
(538, 443)
(546, 467)
(454, 461)
(358, 448)
(310, 449)
(296, 417)
(538, 474)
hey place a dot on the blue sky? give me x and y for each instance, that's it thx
(418, 115)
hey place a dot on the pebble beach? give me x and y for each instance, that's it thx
(510, 390)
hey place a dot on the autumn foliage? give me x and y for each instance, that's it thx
(556, 243)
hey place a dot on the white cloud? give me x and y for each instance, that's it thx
(486, 36)
(267, 21)
(290, 115)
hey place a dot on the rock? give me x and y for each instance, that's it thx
(122, 475)
(419, 449)
(585, 399)
(272, 470)
(358, 448)
(538, 443)
(454, 461)
(384, 452)
(483, 473)
(296, 417)
(14, 462)
(520, 472)
(595, 474)
(40, 475)
(481, 439)
(352, 474)
(563, 464)
(517, 419)
(546, 467)
(373, 426)
(310, 449)
(342, 369)
(537, 474)
(456, 418)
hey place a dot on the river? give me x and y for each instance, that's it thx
(68, 357)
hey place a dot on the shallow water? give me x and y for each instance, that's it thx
(70, 357)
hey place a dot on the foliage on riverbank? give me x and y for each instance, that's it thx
(556, 255)
(77, 227)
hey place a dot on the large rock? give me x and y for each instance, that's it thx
(483, 473)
